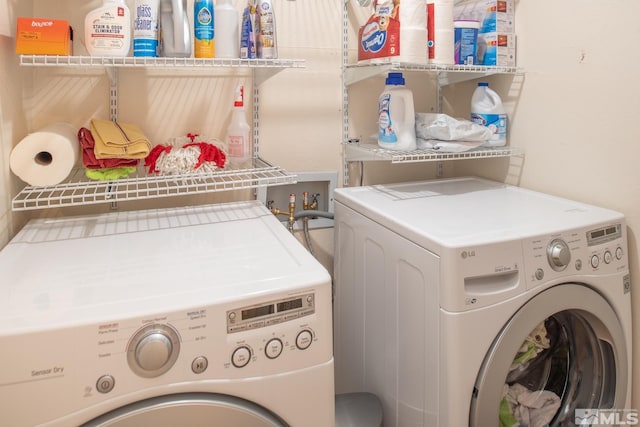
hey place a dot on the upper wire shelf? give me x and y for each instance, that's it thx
(368, 152)
(447, 74)
(78, 190)
(262, 69)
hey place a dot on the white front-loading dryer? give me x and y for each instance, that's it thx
(195, 316)
(465, 302)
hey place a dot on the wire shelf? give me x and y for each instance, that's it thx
(162, 62)
(77, 190)
(369, 152)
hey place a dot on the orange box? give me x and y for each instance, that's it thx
(42, 36)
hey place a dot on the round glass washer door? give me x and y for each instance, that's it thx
(189, 410)
(563, 351)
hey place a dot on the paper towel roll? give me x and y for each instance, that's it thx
(46, 157)
(441, 32)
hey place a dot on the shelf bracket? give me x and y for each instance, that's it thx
(112, 73)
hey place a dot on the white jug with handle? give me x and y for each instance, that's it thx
(176, 34)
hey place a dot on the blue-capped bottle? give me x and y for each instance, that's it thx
(396, 115)
(487, 110)
(203, 29)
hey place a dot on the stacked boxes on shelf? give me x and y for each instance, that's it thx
(496, 37)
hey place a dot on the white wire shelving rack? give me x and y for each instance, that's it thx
(78, 190)
(355, 151)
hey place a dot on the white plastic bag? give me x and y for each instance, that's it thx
(446, 128)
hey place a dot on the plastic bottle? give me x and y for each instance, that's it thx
(226, 24)
(175, 39)
(247, 31)
(203, 29)
(487, 110)
(107, 29)
(145, 28)
(396, 115)
(238, 132)
(266, 30)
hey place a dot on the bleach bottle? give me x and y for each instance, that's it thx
(396, 115)
(487, 110)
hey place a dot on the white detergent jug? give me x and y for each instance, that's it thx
(487, 110)
(174, 23)
(396, 115)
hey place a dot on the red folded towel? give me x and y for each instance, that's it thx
(89, 158)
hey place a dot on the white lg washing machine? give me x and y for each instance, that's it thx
(466, 302)
(200, 316)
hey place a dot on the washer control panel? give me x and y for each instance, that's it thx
(598, 250)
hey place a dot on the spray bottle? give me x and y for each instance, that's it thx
(107, 30)
(238, 132)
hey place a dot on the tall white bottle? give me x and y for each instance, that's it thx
(487, 110)
(238, 133)
(107, 29)
(267, 43)
(145, 28)
(396, 115)
(227, 25)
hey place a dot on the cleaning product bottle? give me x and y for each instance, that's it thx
(107, 29)
(145, 28)
(227, 33)
(396, 115)
(204, 30)
(247, 31)
(487, 110)
(266, 29)
(238, 135)
(175, 33)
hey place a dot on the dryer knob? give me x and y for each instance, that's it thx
(558, 254)
(153, 350)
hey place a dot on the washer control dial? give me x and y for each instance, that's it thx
(558, 254)
(273, 348)
(153, 350)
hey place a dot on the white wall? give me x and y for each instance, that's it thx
(573, 110)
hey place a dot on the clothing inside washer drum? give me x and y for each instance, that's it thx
(545, 374)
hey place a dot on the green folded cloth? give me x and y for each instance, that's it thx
(109, 174)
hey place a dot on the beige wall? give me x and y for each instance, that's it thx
(573, 110)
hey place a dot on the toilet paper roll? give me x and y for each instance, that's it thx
(46, 157)
(444, 47)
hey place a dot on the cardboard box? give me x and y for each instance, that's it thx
(497, 49)
(42, 36)
(494, 15)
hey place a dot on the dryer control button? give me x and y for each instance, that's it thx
(539, 274)
(273, 348)
(303, 340)
(607, 257)
(618, 253)
(241, 357)
(199, 364)
(595, 261)
(105, 384)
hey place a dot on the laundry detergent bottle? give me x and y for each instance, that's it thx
(487, 110)
(396, 115)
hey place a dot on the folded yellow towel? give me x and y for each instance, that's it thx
(114, 140)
